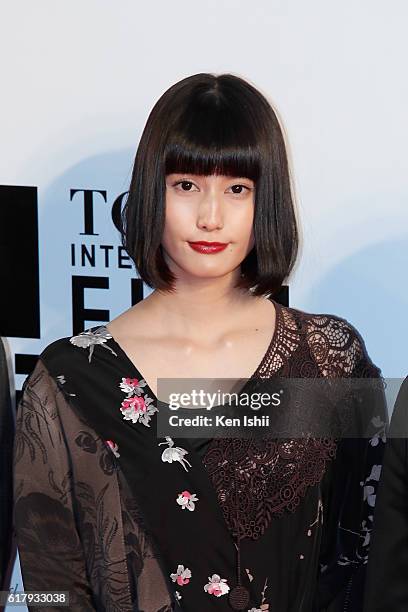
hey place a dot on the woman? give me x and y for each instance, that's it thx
(126, 520)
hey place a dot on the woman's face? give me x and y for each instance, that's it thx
(211, 209)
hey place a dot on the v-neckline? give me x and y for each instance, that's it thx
(268, 353)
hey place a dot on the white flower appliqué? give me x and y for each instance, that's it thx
(62, 381)
(136, 408)
(88, 339)
(182, 576)
(113, 446)
(174, 453)
(250, 576)
(216, 586)
(186, 500)
(380, 434)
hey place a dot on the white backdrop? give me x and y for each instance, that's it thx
(81, 77)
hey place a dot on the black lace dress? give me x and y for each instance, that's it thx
(196, 525)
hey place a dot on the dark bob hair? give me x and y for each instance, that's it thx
(207, 124)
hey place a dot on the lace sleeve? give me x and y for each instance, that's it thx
(387, 570)
(50, 551)
(357, 471)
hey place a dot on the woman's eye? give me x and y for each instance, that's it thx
(188, 183)
(243, 187)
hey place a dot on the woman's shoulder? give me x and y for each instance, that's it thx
(74, 351)
(69, 361)
(56, 347)
(332, 338)
(325, 323)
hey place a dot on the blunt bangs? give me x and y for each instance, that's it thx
(212, 136)
(207, 124)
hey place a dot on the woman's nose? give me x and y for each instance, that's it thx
(210, 212)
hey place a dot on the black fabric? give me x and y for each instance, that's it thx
(387, 582)
(312, 556)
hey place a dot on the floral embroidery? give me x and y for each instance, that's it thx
(366, 530)
(87, 442)
(369, 496)
(62, 381)
(182, 576)
(369, 491)
(130, 385)
(136, 408)
(89, 339)
(174, 453)
(186, 500)
(178, 596)
(113, 446)
(216, 586)
(263, 605)
(379, 435)
(319, 517)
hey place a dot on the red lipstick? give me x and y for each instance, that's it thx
(208, 247)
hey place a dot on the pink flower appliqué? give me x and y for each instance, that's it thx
(186, 500)
(216, 586)
(136, 408)
(182, 576)
(113, 446)
(129, 384)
